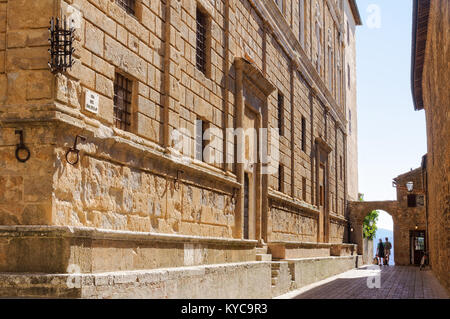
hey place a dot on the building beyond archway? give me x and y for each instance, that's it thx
(408, 215)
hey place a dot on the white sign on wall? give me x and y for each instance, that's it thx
(91, 103)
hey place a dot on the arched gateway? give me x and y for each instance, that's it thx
(359, 210)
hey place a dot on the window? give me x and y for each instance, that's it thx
(202, 45)
(318, 39)
(348, 33)
(302, 20)
(279, 4)
(122, 101)
(128, 5)
(412, 200)
(281, 113)
(350, 121)
(281, 178)
(340, 167)
(338, 82)
(319, 47)
(332, 201)
(201, 143)
(348, 76)
(304, 188)
(321, 195)
(330, 68)
(303, 134)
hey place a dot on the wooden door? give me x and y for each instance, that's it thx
(417, 246)
(246, 206)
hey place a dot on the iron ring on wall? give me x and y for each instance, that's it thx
(24, 159)
(77, 152)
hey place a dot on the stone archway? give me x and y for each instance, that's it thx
(359, 210)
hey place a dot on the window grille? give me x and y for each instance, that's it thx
(201, 41)
(281, 178)
(127, 5)
(303, 134)
(122, 102)
(281, 113)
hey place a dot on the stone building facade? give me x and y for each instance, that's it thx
(147, 75)
(351, 21)
(430, 87)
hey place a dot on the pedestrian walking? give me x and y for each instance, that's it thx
(387, 251)
(380, 252)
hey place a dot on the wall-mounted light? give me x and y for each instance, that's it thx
(409, 186)
(416, 227)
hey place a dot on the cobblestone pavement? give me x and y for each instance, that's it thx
(388, 282)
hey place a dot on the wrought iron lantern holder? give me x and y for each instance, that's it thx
(61, 45)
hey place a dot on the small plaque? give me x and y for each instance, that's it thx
(91, 104)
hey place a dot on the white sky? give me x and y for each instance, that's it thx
(385, 221)
(391, 135)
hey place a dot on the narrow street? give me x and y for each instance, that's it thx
(396, 282)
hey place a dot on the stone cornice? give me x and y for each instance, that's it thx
(254, 74)
(289, 201)
(40, 231)
(281, 30)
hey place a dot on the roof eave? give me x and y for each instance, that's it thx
(355, 11)
(419, 34)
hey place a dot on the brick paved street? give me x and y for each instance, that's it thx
(396, 282)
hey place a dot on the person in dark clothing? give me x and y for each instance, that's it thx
(380, 252)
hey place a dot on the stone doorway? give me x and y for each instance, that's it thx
(417, 244)
(251, 176)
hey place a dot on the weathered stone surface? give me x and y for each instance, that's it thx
(132, 180)
(434, 85)
(94, 251)
(233, 280)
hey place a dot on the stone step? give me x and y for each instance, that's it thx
(261, 250)
(274, 281)
(275, 266)
(263, 257)
(275, 272)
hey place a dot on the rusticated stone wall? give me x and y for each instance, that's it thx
(338, 231)
(436, 88)
(293, 226)
(134, 180)
(407, 219)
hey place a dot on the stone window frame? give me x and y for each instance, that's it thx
(338, 77)
(330, 62)
(130, 127)
(301, 22)
(207, 50)
(318, 31)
